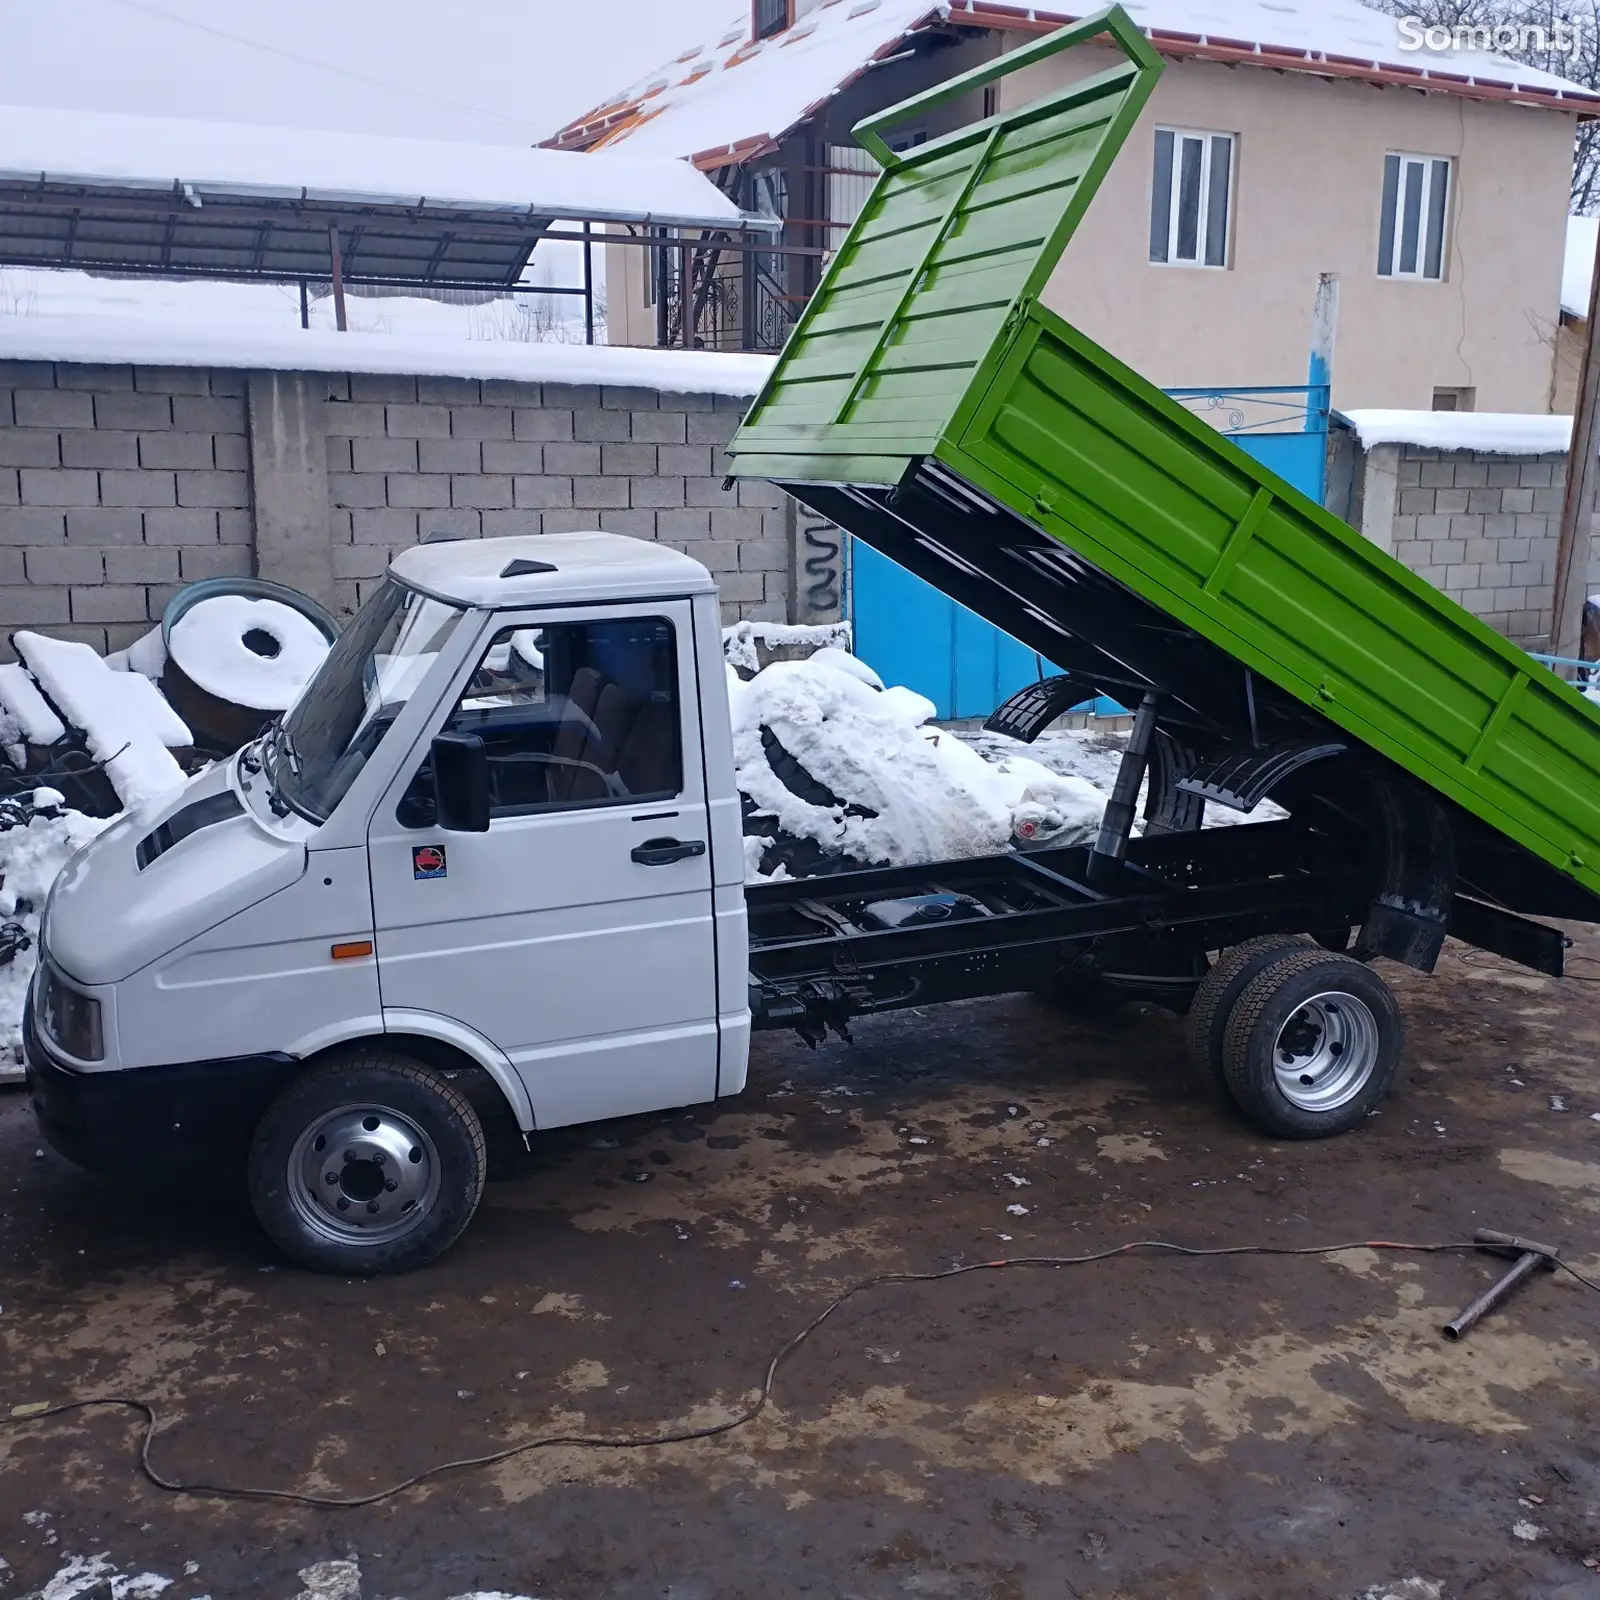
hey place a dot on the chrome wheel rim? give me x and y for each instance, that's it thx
(364, 1175)
(1326, 1052)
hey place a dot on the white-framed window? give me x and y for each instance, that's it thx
(1191, 198)
(1415, 215)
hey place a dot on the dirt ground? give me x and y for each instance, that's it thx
(1239, 1428)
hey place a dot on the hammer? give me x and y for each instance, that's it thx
(1530, 1257)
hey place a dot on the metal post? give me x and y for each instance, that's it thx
(336, 256)
(1324, 329)
(686, 297)
(1572, 547)
(658, 265)
(1116, 826)
(588, 289)
(305, 305)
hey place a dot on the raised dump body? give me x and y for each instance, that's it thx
(931, 405)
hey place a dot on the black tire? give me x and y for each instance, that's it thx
(1312, 1046)
(369, 1163)
(1221, 986)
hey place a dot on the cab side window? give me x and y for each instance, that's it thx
(572, 714)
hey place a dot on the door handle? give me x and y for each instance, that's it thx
(663, 852)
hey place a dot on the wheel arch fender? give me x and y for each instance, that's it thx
(429, 1025)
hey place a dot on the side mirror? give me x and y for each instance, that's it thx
(461, 782)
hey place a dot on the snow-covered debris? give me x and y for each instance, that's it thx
(1506, 433)
(147, 655)
(859, 775)
(93, 698)
(250, 652)
(743, 642)
(30, 859)
(145, 705)
(20, 696)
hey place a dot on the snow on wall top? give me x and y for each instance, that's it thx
(201, 341)
(1506, 433)
(163, 153)
(1577, 266)
(729, 94)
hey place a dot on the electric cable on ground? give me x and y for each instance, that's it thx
(740, 1419)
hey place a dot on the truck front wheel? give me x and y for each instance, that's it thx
(1312, 1045)
(367, 1164)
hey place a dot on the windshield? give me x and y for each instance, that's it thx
(329, 733)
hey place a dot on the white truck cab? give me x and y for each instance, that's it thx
(488, 869)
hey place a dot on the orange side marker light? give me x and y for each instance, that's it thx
(352, 951)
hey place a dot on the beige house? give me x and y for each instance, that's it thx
(1283, 141)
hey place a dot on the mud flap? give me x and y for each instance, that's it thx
(1410, 914)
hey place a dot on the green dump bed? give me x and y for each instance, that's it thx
(931, 405)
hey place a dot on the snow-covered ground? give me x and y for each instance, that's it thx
(96, 1577)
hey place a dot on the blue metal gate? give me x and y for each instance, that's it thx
(912, 634)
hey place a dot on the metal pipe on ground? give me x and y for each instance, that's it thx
(1530, 1255)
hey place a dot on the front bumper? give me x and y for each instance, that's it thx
(147, 1118)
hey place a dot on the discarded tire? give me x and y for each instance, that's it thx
(265, 640)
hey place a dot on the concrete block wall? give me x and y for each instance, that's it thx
(117, 486)
(1482, 527)
(412, 456)
(120, 484)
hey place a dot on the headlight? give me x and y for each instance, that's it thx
(69, 1019)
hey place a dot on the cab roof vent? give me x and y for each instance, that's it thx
(526, 569)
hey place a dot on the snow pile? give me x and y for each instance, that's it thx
(254, 653)
(837, 773)
(743, 642)
(30, 858)
(127, 729)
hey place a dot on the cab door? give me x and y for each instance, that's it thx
(577, 933)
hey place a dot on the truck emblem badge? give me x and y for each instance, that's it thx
(427, 861)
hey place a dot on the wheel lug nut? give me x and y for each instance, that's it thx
(330, 1177)
(391, 1185)
(344, 1205)
(378, 1158)
(350, 1155)
(372, 1207)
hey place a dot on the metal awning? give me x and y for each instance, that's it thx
(157, 195)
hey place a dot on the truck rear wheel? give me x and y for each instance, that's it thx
(367, 1164)
(1221, 987)
(1312, 1045)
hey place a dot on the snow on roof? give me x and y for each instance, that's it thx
(61, 316)
(728, 91)
(239, 161)
(565, 566)
(1508, 433)
(1577, 266)
(729, 95)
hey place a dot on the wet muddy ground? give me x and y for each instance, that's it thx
(1240, 1427)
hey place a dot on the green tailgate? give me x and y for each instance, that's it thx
(926, 343)
(956, 234)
